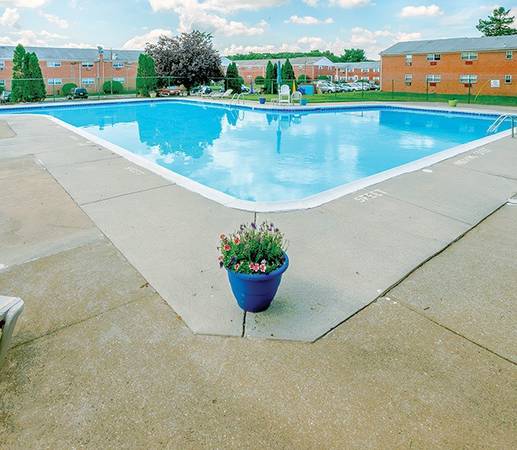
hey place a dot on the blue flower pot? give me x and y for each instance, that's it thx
(254, 293)
(303, 102)
(262, 100)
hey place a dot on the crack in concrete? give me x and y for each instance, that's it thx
(124, 195)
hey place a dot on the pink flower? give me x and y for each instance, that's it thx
(262, 268)
(236, 267)
(237, 240)
(227, 248)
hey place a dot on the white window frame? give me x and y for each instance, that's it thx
(508, 79)
(118, 65)
(509, 54)
(54, 64)
(469, 56)
(2, 65)
(434, 56)
(365, 70)
(408, 78)
(409, 60)
(468, 79)
(433, 78)
(87, 65)
(54, 81)
(2, 83)
(88, 81)
(119, 79)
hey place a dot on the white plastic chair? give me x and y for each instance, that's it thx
(296, 97)
(10, 310)
(284, 95)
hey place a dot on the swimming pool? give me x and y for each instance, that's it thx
(274, 156)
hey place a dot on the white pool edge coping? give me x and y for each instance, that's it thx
(292, 205)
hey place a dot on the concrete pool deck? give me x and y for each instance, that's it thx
(344, 254)
(100, 360)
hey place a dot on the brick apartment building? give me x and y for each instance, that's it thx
(484, 65)
(368, 70)
(312, 67)
(83, 66)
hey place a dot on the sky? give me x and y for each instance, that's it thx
(239, 26)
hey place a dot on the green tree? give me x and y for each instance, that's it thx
(35, 85)
(288, 72)
(112, 87)
(498, 24)
(146, 80)
(259, 79)
(189, 58)
(270, 78)
(67, 88)
(303, 78)
(233, 81)
(18, 85)
(353, 55)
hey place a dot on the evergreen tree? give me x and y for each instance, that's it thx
(288, 71)
(146, 79)
(18, 78)
(233, 81)
(274, 84)
(269, 78)
(35, 85)
(498, 24)
(353, 55)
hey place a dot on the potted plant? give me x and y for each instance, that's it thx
(453, 102)
(255, 259)
(152, 94)
(262, 100)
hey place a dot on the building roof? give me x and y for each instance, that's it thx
(309, 60)
(72, 54)
(454, 45)
(375, 65)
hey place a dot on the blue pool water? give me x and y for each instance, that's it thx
(268, 155)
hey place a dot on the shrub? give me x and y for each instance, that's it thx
(259, 80)
(146, 80)
(324, 77)
(253, 250)
(233, 81)
(67, 88)
(303, 79)
(114, 87)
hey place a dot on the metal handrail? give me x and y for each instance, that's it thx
(499, 121)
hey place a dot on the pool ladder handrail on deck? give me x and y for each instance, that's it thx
(237, 97)
(499, 121)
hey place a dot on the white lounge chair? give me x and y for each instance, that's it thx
(296, 97)
(224, 94)
(284, 95)
(10, 310)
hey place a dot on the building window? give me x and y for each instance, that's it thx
(2, 83)
(54, 81)
(119, 79)
(408, 79)
(468, 79)
(118, 65)
(469, 56)
(409, 60)
(376, 78)
(434, 57)
(87, 65)
(434, 78)
(88, 81)
(365, 70)
(507, 79)
(509, 54)
(2, 65)
(53, 63)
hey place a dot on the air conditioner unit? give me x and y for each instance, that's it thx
(433, 63)
(468, 63)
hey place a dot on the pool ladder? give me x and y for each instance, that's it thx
(237, 98)
(499, 121)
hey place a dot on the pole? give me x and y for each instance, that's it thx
(469, 93)
(426, 90)
(392, 89)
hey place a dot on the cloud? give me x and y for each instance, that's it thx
(138, 42)
(311, 3)
(206, 15)
(419, 11)
(10, 17)
(349, 4)
(33, 38)
(55, 20)
(308, 20)
(24, 3)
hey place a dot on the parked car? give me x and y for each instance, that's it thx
(169, 91)
(201, 90)
(78, 92)
(325, 86)
(5, 97)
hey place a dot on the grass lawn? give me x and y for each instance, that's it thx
(399, 97)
